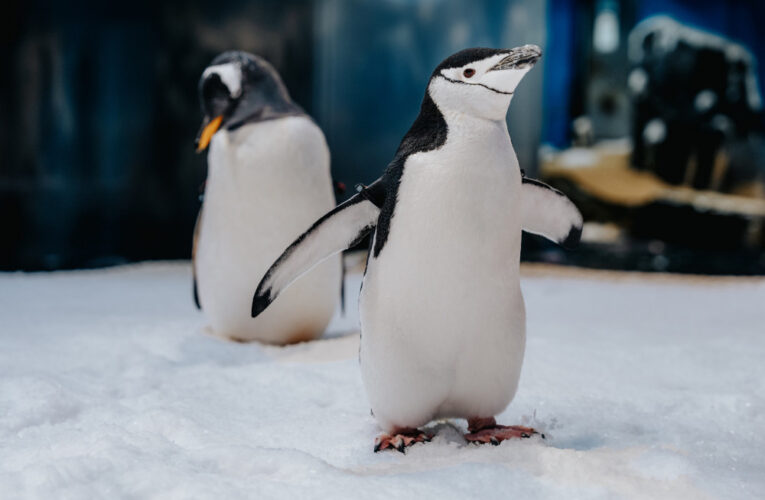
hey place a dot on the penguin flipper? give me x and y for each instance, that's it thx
(339, 229)
(194, 259)
(549, 213)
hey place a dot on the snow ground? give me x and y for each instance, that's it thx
(109, 388)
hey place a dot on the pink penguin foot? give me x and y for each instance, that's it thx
(486, 430)
(400, 440)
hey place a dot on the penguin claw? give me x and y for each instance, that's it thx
(401, 444)
(498, 433)
(400, 441)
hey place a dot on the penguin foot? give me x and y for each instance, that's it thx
(401, 440)
(486, 430)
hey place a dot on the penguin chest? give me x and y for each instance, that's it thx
(443, 295)
(266, 183)
(454, 238)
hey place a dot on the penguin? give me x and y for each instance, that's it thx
(442, 316)
(268, 178)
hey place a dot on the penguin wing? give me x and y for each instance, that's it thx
(341, 228)
(549, 213)
(194, 259)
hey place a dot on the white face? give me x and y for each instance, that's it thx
(484, 87)
(230, 74)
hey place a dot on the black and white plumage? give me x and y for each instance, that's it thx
(442, 316)
(268, 178)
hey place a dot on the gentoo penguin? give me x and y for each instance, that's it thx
(268, 178)
(442, 316)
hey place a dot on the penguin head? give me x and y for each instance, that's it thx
(238, 88)
(481, 81)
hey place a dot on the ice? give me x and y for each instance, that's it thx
(645, 386)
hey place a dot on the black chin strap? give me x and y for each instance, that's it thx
(477, 84)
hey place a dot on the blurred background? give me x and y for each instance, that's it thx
(647, 113)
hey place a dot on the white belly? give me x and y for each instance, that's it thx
(443, 321)
(267, 183)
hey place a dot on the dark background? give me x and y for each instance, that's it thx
(100, 111)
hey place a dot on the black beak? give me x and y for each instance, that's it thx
(519, 58)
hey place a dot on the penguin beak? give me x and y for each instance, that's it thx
(519, 58)
(206, 131)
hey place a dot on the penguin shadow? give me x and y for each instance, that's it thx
(325, 349)
(581, 442)
(337, 346)
(447, 432)
(205, 347)
(556, 437)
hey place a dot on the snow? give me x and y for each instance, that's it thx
(646, 387)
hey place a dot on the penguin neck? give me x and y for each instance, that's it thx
(468, 124)
(435, 125)
(472, 127)
(468, 131)
(265, 102)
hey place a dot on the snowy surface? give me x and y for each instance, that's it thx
(110, 388)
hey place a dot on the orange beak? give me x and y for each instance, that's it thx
(207, 132)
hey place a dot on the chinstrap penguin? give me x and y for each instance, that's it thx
(268, 178)
(442, 315)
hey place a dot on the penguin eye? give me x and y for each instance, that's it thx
(468, 72)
